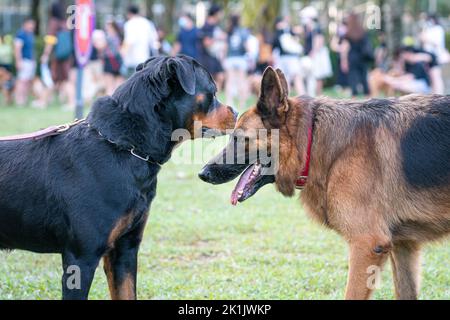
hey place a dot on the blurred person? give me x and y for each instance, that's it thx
(112, 58)
(382, 67)
(186, 42)
(164, 46)
(253, 48)
(336, 45)
(286, 51)
(236, 63)
(25, 60)
(356, 54)
(433, 39)
(208, 37)
(316, 63)
(58, 53)
(263, 60)
(140, 40)
(416, 65)
(94, 83)
(6, 67)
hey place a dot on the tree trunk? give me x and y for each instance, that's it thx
(169, 16)
(394, 23)
(149, 8)
(35, 14)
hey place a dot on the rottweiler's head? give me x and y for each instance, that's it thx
(188, 95)
(167, 100)
(261, 148)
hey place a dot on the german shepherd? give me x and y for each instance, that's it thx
(379, 172)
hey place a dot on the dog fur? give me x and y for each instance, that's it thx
(83, 194)
(379, 173)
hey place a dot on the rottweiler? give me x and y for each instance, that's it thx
(85, 192)
(375, 171)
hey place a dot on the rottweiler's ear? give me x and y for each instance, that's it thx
(140, 66)
(185, 73)
(274, 92)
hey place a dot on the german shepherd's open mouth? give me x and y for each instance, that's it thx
(250, 181)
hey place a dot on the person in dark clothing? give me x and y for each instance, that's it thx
(25, 60)
(187, 38)
(356, 54)
(112, 59)
(416, 64)
(336, 46)
(58, 54)
(206, 40)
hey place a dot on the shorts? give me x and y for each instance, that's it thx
(27, 71)
(290, 65)
(238, 63)
(420, 86)
(212, 64)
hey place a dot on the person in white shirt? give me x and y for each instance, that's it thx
(140, 40)
(433, 41)
(433, 38)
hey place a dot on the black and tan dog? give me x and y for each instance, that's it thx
(379, 172)
(85, 193)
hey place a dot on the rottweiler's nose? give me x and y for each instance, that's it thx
(205, 174)
(234, 112)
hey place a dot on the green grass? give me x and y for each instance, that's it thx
(197, 246)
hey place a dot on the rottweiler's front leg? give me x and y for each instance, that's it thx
(120, 265)
(78, 273)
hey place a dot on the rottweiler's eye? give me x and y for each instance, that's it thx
(200, 98)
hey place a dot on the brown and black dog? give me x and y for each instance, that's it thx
(85, 192)
(379, 172)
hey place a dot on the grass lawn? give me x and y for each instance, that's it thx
(197, 246)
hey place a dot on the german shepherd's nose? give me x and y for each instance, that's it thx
(205, 174)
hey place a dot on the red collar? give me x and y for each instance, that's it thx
(303, 177)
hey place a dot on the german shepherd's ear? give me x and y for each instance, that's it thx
(283, 82)
(272, 103)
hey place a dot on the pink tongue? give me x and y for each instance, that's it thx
(243, 180)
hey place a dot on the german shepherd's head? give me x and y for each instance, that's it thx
(268, 144)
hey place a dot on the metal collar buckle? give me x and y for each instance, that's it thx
(133, 152)
(301, 182)
(64, 127)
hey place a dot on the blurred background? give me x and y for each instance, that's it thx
(197, 245)
(345, 47)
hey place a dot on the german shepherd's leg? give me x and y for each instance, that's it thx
(120, 265)
(78, 273)
(368, 254)
(405, 258)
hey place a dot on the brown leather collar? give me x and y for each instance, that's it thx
(44, 133)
